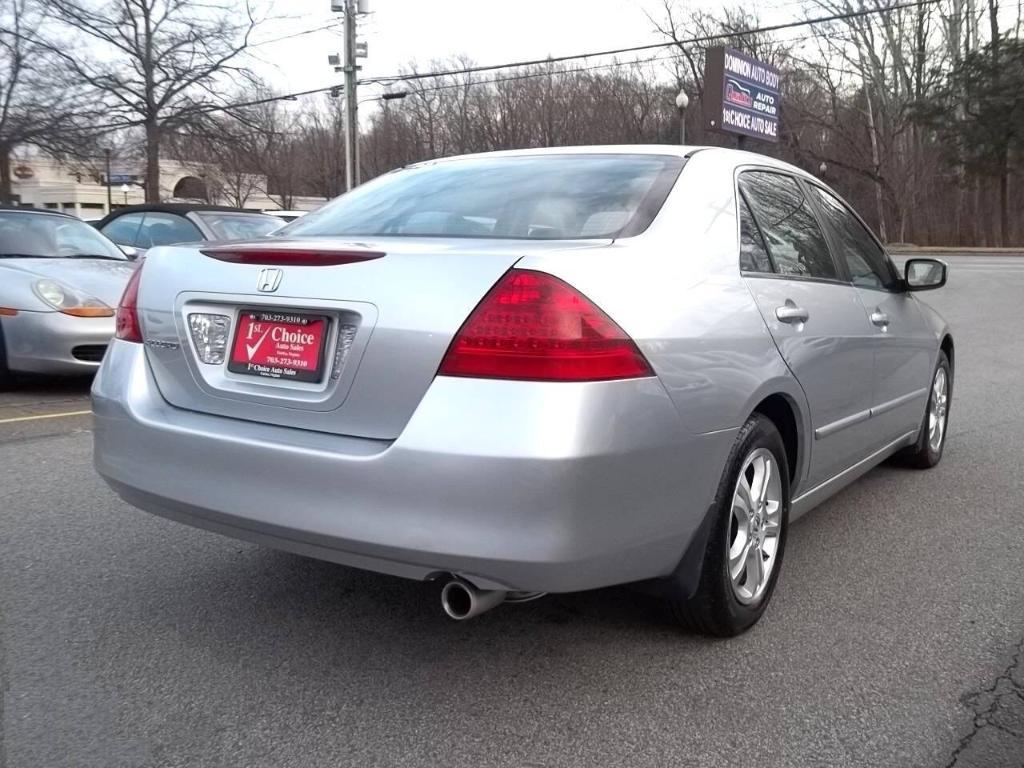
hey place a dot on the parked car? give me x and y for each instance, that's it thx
(146, 226)
(286, 216)
(533, 371)
(60, 280)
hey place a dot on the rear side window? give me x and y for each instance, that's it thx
(869, 266)
(534, 197)
(167, 229)
(123, 229)
(793, 237)
(753, 253)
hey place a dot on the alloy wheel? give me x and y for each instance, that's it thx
(937, 408)
(755, 526)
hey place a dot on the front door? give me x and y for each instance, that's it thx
(904, 345)
(815, 317)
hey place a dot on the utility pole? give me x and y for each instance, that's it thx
(351, 102)
(353, 51)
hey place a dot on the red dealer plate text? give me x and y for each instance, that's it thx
(279, 345)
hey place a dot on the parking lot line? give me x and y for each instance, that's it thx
(44, 416)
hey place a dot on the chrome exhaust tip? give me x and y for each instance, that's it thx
(461, 600)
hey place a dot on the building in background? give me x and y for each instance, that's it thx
(42, 182)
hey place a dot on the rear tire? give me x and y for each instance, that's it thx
(748, 536)
(927, 451)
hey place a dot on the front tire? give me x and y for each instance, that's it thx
(927, 451)
(747, 541)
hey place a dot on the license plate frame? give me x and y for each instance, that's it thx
(279, 360)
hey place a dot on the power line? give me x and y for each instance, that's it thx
(527, 76)
(652, 46)
(313, 30)
(532, 75)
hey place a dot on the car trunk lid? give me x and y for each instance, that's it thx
(371, 320)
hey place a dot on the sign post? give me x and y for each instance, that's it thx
(741, 95)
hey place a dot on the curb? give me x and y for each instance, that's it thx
(904, 250)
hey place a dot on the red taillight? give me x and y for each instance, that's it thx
(533, 326)
(289, 257)
(127, 319)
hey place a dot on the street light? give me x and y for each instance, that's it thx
(682, 102)
(125, 189)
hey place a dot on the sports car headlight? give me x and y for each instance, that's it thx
(65, 299)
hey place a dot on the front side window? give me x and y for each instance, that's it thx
(794, 239)
(866, 260)
(123, 229)
(533, 197)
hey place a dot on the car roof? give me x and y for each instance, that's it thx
(726, 157)
(41, 211)
(180, 208)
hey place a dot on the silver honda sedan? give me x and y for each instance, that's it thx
(533, 371)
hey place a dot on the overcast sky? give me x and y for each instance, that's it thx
(488, 31)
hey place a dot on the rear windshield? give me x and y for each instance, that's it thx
(533, 197)
(239, 226)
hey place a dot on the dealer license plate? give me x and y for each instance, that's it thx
(279, 345)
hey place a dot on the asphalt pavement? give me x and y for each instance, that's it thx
(895, 637)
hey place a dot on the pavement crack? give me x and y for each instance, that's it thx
(990, 704)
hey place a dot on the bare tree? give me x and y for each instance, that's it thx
(224, 152)
(156, 64)
(323, 135)
(38, 106)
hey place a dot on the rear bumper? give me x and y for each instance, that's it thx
(540, 487)
(45, 342)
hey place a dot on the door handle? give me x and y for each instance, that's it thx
(791, 313)
(879, 318)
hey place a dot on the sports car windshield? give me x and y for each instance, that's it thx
(35, 235)
(534, 197)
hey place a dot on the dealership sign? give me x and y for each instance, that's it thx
(741, 95)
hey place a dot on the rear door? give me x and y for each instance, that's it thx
(904, 344)
(813, 313)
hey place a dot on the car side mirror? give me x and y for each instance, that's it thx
(924, 274)
(131, 253)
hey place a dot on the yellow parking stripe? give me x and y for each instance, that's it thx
(45, 416)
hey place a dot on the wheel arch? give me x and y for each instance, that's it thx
(781, 411)
(947, 346)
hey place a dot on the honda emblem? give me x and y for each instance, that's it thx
(269, 280)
